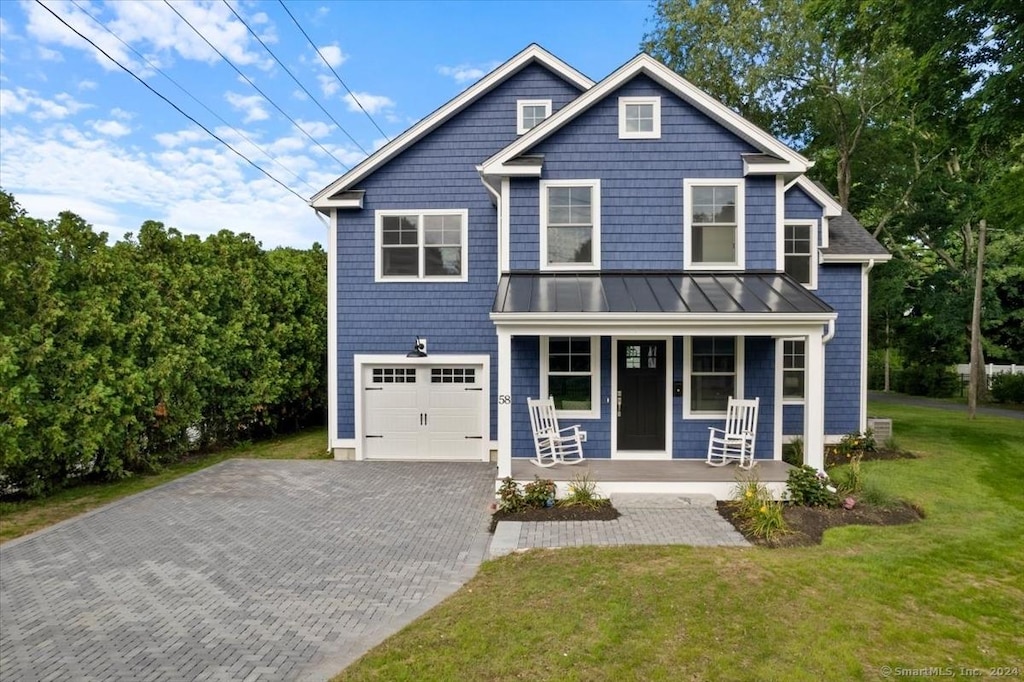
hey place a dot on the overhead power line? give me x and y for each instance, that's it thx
(194, 98)
(176, 107)
(255, 87)
(297, 82)
(321, 55)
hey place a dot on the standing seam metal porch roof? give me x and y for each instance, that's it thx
(655, 292)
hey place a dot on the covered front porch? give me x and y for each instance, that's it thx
(665, 477)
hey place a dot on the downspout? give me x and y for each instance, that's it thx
(830, 333)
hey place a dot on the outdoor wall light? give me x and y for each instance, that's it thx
(419, 349)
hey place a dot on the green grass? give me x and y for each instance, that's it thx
(943, 592)
(21, 518)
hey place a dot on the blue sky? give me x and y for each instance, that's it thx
(78, 133)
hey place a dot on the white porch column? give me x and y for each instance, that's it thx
(814, 403)
(504, 403)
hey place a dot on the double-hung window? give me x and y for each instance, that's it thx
(570, 224)
(798, 252)
(421, 245)
(530, 112)
(639, 118)
(794, 369)
(714, 373)
(713, 224)
(570, 374)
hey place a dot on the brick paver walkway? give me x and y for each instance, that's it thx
(645, 520)
(250, 570)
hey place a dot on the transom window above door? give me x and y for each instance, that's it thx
(639, 118)
(421, 245)
(570, 224)
(713, 224)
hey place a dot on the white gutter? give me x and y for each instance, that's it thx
(830, 333)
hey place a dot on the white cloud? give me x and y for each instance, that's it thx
(4, 28)
(371, 103)
(22, 101)
(466, 72)
(118, 112)
(252, 105)
(111, 128)
(179, 138)
(48, 55)
(88, 85)
(328, 84)
(45, 28)
(333, 54)
(317, 129)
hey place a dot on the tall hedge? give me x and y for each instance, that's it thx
(120, 358)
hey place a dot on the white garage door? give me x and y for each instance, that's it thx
(423, 412)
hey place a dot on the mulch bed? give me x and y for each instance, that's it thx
(808, 524)
(833, 459)
(576, 513)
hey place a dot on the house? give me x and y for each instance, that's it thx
(631, 247)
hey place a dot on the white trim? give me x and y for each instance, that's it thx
(533, 53)
(780, 217)
(378, 223)
(739, 345)
(595, 379)
(783, 400)
(741, 259)
(613, 445)
(505, 226)
(777, 439)
(504, 408)
(814, 406)
(658, 324)
(332, 328)
(855, 257)
(864, 346)
(765, 168)
(660, 73)
(343, 443)
(813, 254)
(595, 217)
(829, 204)
(483, 361)
(521, 104)
(340, 203)
(653, 134)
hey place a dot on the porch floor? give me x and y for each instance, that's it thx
(674, 477)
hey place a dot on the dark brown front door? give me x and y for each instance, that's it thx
(640, 402)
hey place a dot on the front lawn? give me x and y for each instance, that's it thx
(21, 518)
(945, 592)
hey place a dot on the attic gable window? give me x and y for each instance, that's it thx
(530, 112)
(428, 244)
(639, 118)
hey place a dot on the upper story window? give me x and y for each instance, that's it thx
(639, 118)
(530, 112)
(421, 245)
(570, 374)
(798, 252)
(713, 224)
(570, 224)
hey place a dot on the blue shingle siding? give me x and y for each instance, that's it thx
(760, 223)
(800, 205)
(439, 171)
(641, 181)
(840, 286)
(793, 420)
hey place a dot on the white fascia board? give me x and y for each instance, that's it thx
(780, 168)
(646, 64)
(516, 171)
(371, 163)
(626, 324)
(855, 257)
(340, 203)
(828, 202)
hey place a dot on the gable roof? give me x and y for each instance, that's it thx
(849, 242)
(645, 64)
(819, 193)
(533, 53)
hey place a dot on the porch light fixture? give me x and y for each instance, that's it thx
(419, 349)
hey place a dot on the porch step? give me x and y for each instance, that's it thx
(661, 501)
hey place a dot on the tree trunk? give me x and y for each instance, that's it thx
(977, 384)
(887, 348)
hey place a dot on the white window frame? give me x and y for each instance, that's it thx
(378, 245)
(521, 105)
(653, 134)
(812, 224)
(741, 235)
(782, 372)
(595, 218)
(689, 413)
(595, 377)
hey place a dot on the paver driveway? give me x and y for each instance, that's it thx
(249, 570)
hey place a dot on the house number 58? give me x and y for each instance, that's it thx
(504, 399)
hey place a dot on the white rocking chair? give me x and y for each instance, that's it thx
(553, 445)
(736, 441)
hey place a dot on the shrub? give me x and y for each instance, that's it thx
(757, 512)
(937, 381)
(808, 487)
(539, 493)
(849, 480)
(1008, 388)
(510, 497)
(582, 493)
(853, 444)
(767, 521)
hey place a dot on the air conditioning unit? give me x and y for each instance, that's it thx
(880, 428)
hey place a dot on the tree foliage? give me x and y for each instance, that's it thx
(118, 358)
